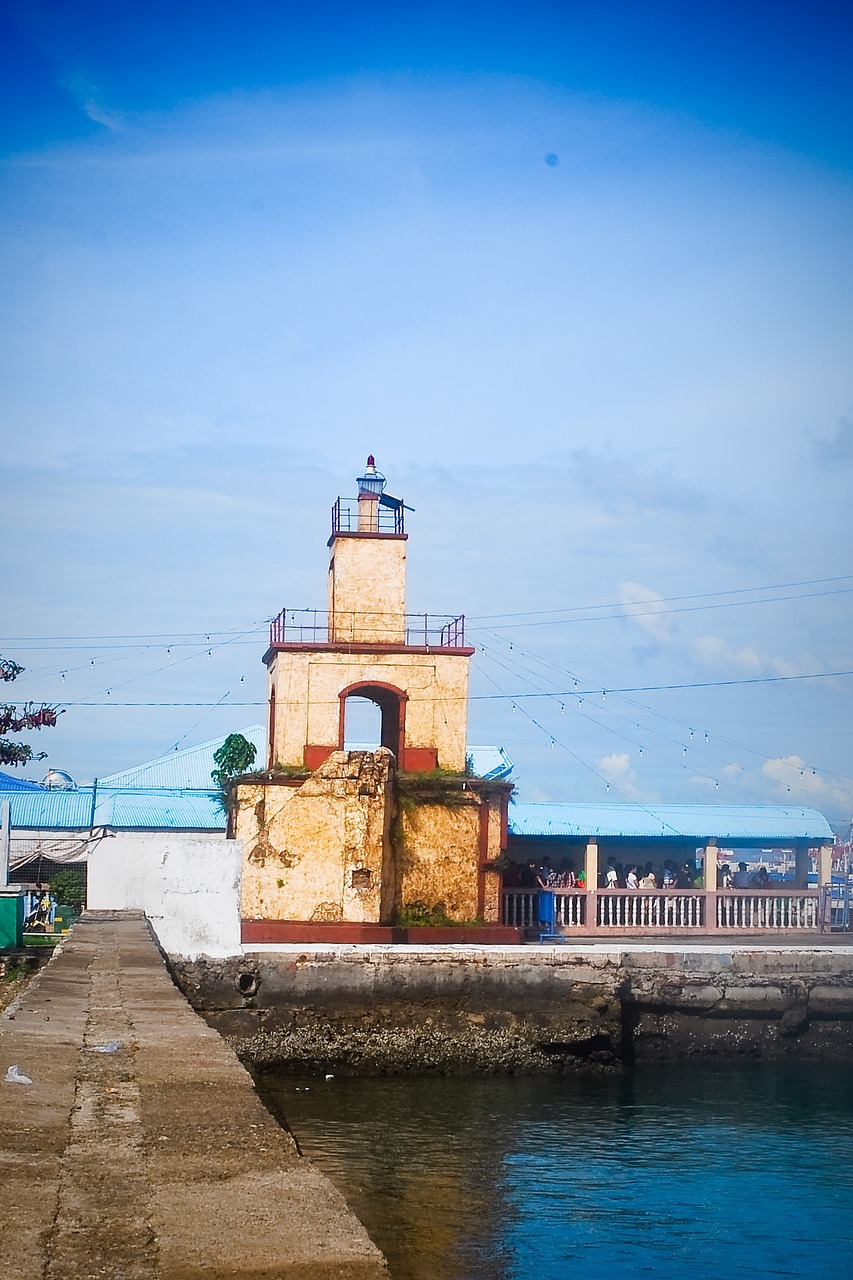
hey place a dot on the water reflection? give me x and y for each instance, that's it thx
(681, 1170)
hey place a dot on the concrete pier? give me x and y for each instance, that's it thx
(156, 1160)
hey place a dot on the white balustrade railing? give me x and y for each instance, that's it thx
(570, 909)
(741, 910)
(757, 909)
(641, 909)
(521, 908)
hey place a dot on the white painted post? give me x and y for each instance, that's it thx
(824, 865)
(590, 871)
(709, 879)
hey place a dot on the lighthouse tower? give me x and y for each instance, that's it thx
(365, 645)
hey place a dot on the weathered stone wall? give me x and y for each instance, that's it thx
(367, 589)
(307, 685)
(319, 850)
(760, 1002)
(334, 847)
(441, 851)
(367, 1009)
(525, 1008)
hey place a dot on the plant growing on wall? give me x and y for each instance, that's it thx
(445, 788)
(234, 757)
(14, 719)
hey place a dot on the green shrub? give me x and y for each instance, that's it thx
(69, 889)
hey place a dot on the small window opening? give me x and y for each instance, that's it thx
(361, 878)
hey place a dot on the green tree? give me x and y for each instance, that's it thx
(68, 888)
(235, 756)
(14, 719)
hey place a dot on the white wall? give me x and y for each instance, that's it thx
(187, 885)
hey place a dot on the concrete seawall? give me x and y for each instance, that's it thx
(152, 1157)
(363, 1008)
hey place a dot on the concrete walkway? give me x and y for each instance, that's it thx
(156, 1161)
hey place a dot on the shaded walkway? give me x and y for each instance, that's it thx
(157, 1161)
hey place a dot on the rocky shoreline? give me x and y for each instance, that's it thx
(411, 1050)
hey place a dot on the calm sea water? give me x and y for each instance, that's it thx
(683, 1172)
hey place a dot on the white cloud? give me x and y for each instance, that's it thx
(646, 609)
(616, 766)
(713, 651)
(617, 770)
(797, 779)
(701, 783)
(85, 94)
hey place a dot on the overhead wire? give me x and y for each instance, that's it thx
(621, 694)
(585, 764)
(579, 694)
(659, 600)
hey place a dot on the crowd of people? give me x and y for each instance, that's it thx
(632, 875)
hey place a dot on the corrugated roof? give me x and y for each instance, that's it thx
(190, 768)
(761, 824)
(49, 809)
(10, 783)
(161, 810)
(489, 762)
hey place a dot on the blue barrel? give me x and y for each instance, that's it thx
(547, 910)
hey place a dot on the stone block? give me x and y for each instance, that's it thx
(836, 1002)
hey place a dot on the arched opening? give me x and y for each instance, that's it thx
(362, 724)
(383, 727)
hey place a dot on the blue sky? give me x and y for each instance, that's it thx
(580, 277)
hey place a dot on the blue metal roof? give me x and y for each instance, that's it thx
(190, 768)
(760, 824)
(489, 762)
(10, 783)
(173, 793)
(51, 810)
(161, 810)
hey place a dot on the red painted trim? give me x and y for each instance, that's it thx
(419, 759)
(314, 756)
(258, 932)
(360, 689)
(299, 646)
(271, 738)
(311, 931)
(484, 857)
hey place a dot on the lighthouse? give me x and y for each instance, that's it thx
(414, 667)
